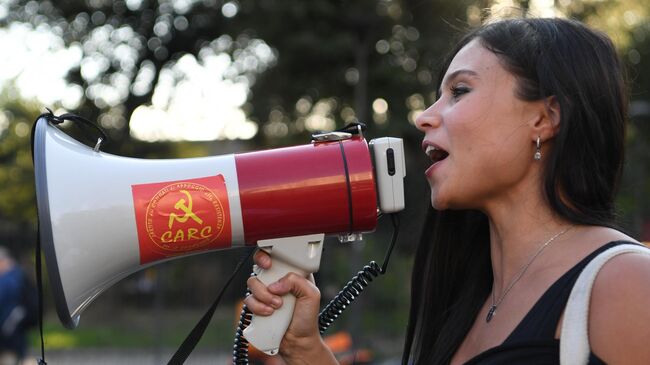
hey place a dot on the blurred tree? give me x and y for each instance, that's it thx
(17, 196)
(310, 66)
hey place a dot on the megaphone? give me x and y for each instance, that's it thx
(103, 217)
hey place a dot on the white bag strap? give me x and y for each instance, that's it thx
(574, 338)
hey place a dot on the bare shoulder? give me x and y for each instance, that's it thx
(619, 310)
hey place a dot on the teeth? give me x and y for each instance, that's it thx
(436, 154)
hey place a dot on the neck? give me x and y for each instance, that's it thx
(518, 229)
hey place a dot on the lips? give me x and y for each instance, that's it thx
(436, 154)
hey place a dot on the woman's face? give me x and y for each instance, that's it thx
(482, 133)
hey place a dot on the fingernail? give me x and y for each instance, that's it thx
(276, 302)
(268, 310)
(275, 286)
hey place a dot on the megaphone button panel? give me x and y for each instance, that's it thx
(390, 159)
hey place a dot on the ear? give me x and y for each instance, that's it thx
(547, 124)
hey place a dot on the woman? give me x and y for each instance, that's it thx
(526, 142)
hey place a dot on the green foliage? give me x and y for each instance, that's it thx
(17, 195)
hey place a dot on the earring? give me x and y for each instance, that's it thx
(538, 151)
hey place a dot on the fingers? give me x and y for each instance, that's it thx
(265, 300)
(304, 323)
(261, 301)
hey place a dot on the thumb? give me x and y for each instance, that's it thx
(300, 287)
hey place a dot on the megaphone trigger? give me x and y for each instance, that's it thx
(300, 255)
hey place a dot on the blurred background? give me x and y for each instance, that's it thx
(188, 78)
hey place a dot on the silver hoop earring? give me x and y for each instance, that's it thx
(538, 151)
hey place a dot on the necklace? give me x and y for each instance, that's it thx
(522, 271)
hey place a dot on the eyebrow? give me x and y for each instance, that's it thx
(457, 73)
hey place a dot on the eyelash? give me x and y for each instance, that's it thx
(457, 91)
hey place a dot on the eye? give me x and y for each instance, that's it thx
(457, 91)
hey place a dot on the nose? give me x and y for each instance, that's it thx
(428, 119)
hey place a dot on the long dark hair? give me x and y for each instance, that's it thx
(452, 274)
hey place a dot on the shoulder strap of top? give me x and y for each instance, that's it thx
(574, 337)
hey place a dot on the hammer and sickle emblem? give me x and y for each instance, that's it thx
(187, 209)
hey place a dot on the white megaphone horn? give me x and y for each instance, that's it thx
(103, 217)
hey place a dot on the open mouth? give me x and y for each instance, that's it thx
(436, 154)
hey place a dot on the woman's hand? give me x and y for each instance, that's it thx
(302, 342)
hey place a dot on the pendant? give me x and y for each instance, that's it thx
(491, 313)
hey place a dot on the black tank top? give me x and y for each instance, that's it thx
(533, 341)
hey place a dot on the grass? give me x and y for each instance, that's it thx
(136, 330)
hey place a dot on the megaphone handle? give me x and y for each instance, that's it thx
(300, 255)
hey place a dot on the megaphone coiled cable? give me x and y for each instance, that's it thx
(240, 347)
(333, 309)
(347, 295)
